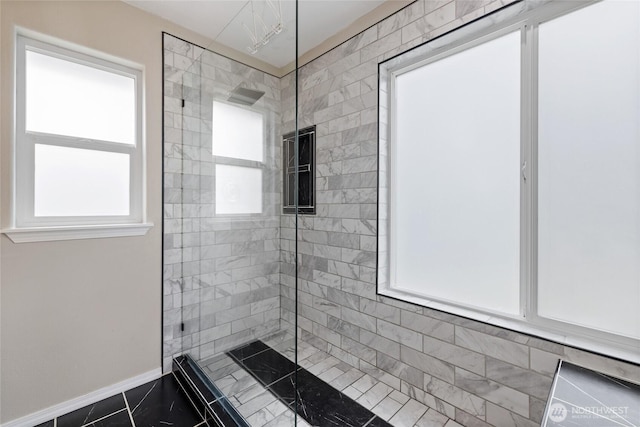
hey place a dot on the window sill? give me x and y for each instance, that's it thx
(49, 234)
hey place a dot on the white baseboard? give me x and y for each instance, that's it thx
(82, 401)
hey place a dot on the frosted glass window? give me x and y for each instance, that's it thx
(237, 132)
(79, 151)
(509, 171)
(589, 168)
(78, 182)
(67, 98)
(238, 190)
(455, 171)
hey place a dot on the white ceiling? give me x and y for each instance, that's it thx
(222, 21)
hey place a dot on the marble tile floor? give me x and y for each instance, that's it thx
(157, 403)
(261, 407)
(315, 400)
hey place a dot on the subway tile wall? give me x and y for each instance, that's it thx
(221, 272)
(475, 373)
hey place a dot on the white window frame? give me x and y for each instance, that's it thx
(245, 163)
(25, 226)
(526, 18)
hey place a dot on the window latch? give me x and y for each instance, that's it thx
(301, 168)
(523, 169)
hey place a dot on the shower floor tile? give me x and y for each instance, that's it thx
(261, 408)
(268, 365)
(315, 400)
(249, 350)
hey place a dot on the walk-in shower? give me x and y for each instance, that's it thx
(224, 251)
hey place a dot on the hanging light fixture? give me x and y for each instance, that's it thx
(263, 33)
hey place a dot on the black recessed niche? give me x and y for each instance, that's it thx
(306, 171)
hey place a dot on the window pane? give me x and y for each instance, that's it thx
(238, 190)
(66, 98)
(305, 190)
(76, 182)
(455, 191)
(589, 168)
(237, 132)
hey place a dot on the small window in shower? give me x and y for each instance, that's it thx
(238, 139)
(237, 132)
(238, 190)
(306, 171)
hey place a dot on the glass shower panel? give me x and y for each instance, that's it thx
(233, 197)
(237, 296)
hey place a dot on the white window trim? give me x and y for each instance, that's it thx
(49, 234)
(25, 227)
(525, 17)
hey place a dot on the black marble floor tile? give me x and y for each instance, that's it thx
(322, 405)
(161, 402)
(285, 389)
(378, 422)
(315, 401)
(582, 397)
(120, 419)
(93, 412)
(268, 366)
(47, 424)
(248, 350)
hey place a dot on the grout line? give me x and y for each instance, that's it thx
(102, 418)
(145, 396)
(238, 360)
(182, 387)
(369, 422)
(126, 402)
(194, 387)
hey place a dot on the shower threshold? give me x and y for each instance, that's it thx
(207, 399)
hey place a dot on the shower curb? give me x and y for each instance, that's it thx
(207, 399)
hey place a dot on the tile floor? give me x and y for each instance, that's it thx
(262, 409)
(315, 400)
(157, 403)
(162, 403)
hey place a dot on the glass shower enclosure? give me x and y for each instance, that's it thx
(230, 250)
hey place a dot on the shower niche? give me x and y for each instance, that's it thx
(306, 167)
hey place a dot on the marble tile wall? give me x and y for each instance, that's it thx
(474, 373)
(221, 273)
